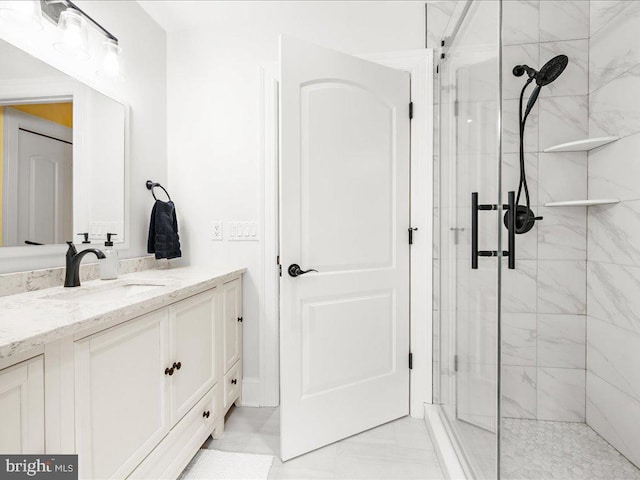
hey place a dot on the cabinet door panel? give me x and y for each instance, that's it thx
(193, 337)
(121, 396)
(22, 408)
(232, 385)
(232, 326)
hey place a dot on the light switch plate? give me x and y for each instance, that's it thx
(243, 231)
(216, 230)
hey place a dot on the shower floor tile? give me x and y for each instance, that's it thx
(534, 449)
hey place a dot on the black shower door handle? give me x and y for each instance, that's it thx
(474, 230)
(512, 229)
(475, 253)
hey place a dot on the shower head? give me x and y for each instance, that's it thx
(547, 74)
(551, 70)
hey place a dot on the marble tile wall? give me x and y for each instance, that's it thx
(613, 257)
(20, 282)
(544, 299)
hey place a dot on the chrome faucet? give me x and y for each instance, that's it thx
(72, 275)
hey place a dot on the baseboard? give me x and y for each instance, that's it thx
(251, 392)
(447, 456)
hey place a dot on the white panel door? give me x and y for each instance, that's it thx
(44, 190)
(344, 199)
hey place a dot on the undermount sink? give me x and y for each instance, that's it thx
(104, 293)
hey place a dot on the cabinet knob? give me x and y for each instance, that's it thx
(234, 381)
(168, 371)
(177, 366)
(206, 414)
(240, 319)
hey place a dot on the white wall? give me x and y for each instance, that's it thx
(143, 44)
(214, 116)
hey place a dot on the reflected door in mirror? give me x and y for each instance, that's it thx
(38, 178)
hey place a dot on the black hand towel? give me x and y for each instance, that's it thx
(163, 231)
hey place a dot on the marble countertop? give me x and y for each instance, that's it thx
(28, 320)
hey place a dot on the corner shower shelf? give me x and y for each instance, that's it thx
(581, 145)
(583, 203)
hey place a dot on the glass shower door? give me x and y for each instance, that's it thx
(470, 173)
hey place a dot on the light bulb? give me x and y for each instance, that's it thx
(75, 37)
(22, 15)
(110, 63)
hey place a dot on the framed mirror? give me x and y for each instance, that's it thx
(62, 159)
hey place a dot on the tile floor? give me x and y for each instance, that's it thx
(397, 450)
(534, 449)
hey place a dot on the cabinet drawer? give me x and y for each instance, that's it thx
(177, 449)
(232, 384)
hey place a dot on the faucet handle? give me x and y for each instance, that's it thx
(86, 237)
(72, 249)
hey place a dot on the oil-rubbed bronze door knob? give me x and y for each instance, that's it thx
(206, 414)
(168, 371)
(234, 381)
(177, 366)
(295, 270)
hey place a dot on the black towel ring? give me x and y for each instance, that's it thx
(151, 185)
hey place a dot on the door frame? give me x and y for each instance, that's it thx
(265, 390)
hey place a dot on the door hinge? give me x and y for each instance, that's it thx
(455, 363)
(410, 361)
(411, 230)
(455, 108)
(410, 110)
(279, 266)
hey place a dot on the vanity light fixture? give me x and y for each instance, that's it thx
(110, 61)
(22, 15)
(75, 39)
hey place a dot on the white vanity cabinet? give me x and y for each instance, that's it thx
(22, 408)
(232, 331)
(149, 393)
(132, 384)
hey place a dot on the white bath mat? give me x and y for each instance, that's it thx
(217, 465)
